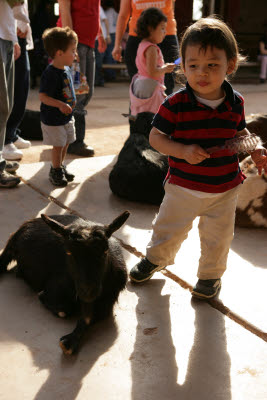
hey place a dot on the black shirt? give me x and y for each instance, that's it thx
(56, 83)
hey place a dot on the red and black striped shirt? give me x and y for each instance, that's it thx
(187, 121)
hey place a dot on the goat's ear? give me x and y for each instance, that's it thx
(117, 223)
(56, 226)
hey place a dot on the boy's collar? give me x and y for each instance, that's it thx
(226, 105)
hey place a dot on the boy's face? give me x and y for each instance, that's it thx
(67, 57)
(206, 70)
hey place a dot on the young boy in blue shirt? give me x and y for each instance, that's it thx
(202, 115)
(58, 100)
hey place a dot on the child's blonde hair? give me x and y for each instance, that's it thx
(213, 32)
(55, 39)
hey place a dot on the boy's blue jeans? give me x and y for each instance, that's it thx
(6, 91)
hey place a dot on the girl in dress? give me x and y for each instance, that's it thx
(147, 90)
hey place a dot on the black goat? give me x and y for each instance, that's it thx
(74, 264)
(140, 170)
(30, 126)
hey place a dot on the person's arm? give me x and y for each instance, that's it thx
(153, 70)
(123, 18)
(65, 13)
(258, 156)
(108, 39)
(262, 48)
(193, 154)
(50, 101)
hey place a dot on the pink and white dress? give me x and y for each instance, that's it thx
(146, 94)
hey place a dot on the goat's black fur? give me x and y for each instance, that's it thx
(30, 126)
(139, 172)
(74, 265)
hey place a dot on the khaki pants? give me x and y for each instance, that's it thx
(175, 218)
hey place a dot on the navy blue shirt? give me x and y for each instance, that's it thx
(56, 83)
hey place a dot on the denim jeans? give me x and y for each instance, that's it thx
(21, 90)
(170, 51)
(87, 67)
(99, 57)
(6, 90)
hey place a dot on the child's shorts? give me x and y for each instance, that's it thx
(59, 136)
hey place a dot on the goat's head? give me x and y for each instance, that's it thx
(87, 249)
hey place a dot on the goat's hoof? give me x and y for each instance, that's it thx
(67, 345)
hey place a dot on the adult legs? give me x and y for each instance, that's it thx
(21, 90)
(130, 54)
(6, 90)
(109, 74)
(87, 67)
(99, 78)
(263, 70)
(170, 51)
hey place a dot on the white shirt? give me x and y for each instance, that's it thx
(22, 15)
(102, 19)
(112, 17)
(8, 26)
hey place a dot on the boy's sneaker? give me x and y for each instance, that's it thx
(143, 270)
(8, 181)
(11, 166)
(57, 177)
(10, 152)
(67, 174)
(206, 288)
(22, 143)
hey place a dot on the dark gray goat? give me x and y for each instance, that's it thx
(140, 170)
(74, 264)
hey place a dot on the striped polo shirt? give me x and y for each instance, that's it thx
(187, 121)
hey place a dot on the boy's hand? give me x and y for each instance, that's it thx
(194, 154)
(65, 108)
(259, 157)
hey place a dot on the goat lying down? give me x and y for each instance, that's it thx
(73, 264)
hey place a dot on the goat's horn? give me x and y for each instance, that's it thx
(117, 223)
(56, 226)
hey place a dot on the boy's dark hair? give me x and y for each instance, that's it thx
(150, 18)
(213, 32)
(55, 39)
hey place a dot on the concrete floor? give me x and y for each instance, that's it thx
(160, 344)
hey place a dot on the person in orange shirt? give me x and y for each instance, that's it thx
(130, 10)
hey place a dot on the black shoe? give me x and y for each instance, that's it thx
(144, 270)
(81, 149)
(7, 180)
(67, 174)
(262, 80)
(11, 166)
(57, 177)
(206, 288)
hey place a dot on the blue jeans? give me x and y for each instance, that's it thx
(170, 51)
(87, 67)
(21, 90)
(108, 59)
(6, 91)
(99, 57)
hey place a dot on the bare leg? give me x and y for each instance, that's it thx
(57, 154)
(64, 151)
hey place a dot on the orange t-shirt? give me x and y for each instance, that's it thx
(166, 7)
